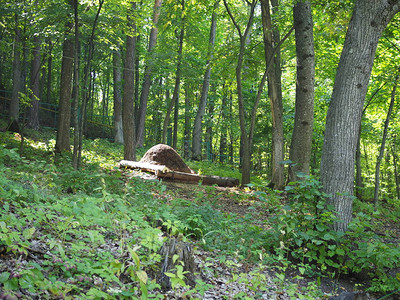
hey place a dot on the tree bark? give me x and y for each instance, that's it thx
(137, 80)
(35, 86)
(209, 129)
(175, 95)
(128, 118)
(300, 149)
(144, 96)
(359, 185)
(224, 136)
(359, 179)
(176, 119)
(17, 73)
(86, 91)
(196, 137)
(186, 133)
(271, 39)
(246, 146)
(64, 110)
(396, 172)
(369, 19)
(167, 117)
(118, 134)
(49, 72)
(75, 90)
(383, 144)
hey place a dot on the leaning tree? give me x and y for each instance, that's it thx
(369, 19)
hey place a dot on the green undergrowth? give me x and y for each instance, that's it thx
(96, 233)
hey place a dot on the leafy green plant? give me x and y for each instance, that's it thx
(302, 228)
(177, 275)
(372, 255)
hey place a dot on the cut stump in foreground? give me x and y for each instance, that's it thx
(175, 252)
(165, 162)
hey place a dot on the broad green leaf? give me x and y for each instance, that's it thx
(11, 284)
(142, 275)
(4, 277)
(28, 233)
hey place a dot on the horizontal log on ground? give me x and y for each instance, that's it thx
(143, 166)
(164, 172)
(205, 179)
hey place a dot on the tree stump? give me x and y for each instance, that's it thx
(184, 251)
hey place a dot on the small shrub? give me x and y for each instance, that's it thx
(302, 228)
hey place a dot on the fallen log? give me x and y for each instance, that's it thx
(147, 167)
(164, 172)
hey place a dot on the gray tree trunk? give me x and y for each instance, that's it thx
(209, 128)
(17, 73)
(271, 40)
(117, 79)
(35, 86)
(300, 149)
(245, 136)
(396, 172)
(369, 19)
(75, 90)
(186, 133)
(144, 96)
(167, 117)
(196, 137)
(175, 94)
(224, 137)
(359, 179)
(64, 110)
(383, 144)
(78, 137)
(128, 116)
(49, 72)
(359, 185)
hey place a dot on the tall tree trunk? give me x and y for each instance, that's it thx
(118, 135)
(157, 114)
(49, 72)
(359, 181)
(35, 86)
(144, 96)
(137, 80)
(196, 137)
(167, 117)
(271, 40)
(186, 144)
(64, 110)
(176, 119)
(231, 134)
(300, 149)
(246, 149)
(17, 73)
(175, 95)
(383, 143)
(209, 129)
(224, 136)
(86, 91)
(396, 172)
(369, 19)
(359, 185)
(128, 117)
(75, 90)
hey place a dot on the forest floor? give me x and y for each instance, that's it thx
(96, 233)
(228, 200)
